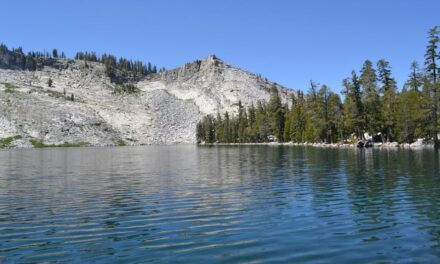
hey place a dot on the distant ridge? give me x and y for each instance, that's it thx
(100, 103)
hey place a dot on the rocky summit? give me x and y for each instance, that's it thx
(73, 102)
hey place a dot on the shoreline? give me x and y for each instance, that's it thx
(391, 145)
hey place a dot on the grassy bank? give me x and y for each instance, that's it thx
(39, 144)
(6, 142)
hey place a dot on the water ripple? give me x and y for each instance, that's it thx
(184, 204)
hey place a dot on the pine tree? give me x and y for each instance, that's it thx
(371, 99)
(288, 118)
(219, 136)
(315, 122)
(411, 116)
(415, 77)
(209, 130)
(276, 115)
(389, 91)
(432, 70)
(252, 118)
(353, 109)
(335, 119)
(323, 112)
(413, 110)
(431, 55)
(200, 135)
(242, 123)
(234, 130)
(298, 118)
(227, 130)
(262, 123)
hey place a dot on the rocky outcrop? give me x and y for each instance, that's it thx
(164, 110)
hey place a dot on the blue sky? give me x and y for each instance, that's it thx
(290, 42)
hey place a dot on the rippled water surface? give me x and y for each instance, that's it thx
(188, 204)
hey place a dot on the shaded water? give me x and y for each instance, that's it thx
(189, 204)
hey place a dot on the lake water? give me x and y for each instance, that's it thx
(188, 204)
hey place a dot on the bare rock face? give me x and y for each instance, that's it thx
(83, 105)
(215, 86)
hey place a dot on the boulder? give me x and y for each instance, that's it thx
(368, 144)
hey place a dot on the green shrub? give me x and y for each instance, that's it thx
(9, 88)
(63, 95)
(6, 142)
(39, 144)
(126, 88)
(120, 143)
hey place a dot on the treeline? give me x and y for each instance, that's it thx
(119, 70)
(372, 103)
(32, 61)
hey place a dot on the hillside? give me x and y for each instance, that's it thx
(164, 109)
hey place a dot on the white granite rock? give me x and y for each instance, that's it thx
(165, 111)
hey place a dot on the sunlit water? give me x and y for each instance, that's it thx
(188, 204)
